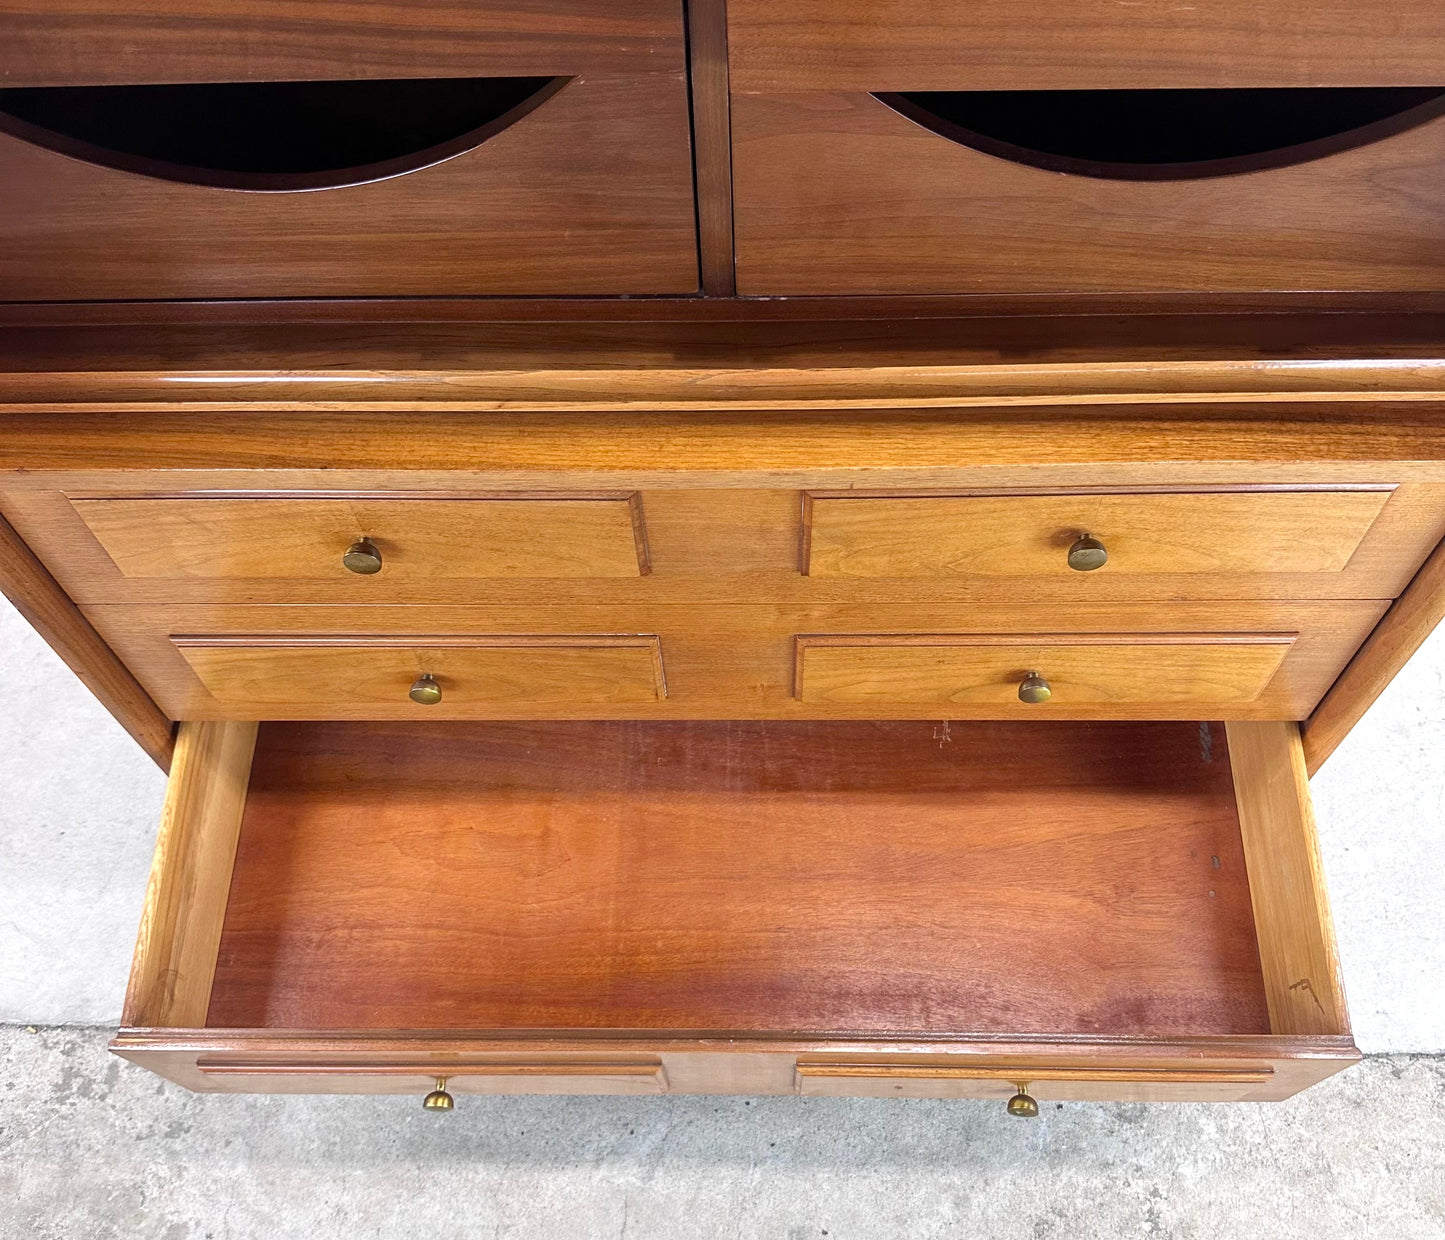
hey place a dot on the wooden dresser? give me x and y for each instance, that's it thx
(809, 547)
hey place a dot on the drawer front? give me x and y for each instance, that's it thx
(317, 1076)
(959, 212)
(1080, 672)
(1005, 44)
(1045, 1082)
(78, 41)
(414, 541)
(470, 677)
(1033, 535)
(582, 187)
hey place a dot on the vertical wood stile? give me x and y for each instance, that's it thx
(180, 929)
(1297, 948)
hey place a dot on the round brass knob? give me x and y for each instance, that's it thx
(425, 691)
(1087, 554)
(439, 1099)
(1021, 1105)
(1034, 689)
(362, 557)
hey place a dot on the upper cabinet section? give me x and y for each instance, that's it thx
(1087, 146)
(219, 150)
(927, 45)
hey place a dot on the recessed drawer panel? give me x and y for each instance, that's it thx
(1089, 191)
(441, 677)
(555, 184)
(1008, 44)
(919, 1078)
(272, 1076)
(1040, 535)
(1077, 671)
(367, 540)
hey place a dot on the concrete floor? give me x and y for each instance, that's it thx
(91, 1147)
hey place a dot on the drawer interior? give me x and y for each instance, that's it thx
(1137, 880)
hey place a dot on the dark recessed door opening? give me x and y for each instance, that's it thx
(273, 136)
(1164, 135)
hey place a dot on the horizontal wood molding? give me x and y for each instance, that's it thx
(1020, 360)
(983, 385)
(27, 583)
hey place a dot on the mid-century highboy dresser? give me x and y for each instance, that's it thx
(729, 546)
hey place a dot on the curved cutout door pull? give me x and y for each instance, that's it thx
(273, 137)
(1168, 135)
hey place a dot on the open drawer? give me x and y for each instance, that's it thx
(1088, 910)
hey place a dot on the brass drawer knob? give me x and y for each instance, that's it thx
(439, 1099)
(425, 691)
(362, 557)
(1021, 1105)
(1034, 689)
(1087, 554)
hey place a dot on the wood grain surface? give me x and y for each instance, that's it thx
(361, 676)
(1218, 532)
(77, 42)
(419, 540)
(180, 928)
(1101, 355)
(589, 193)
(728, 660)
(812, 216)
(871, 45)
(721, 545)
(1074, 878)
(1297, 949)
(712, 142)
(1199, 671)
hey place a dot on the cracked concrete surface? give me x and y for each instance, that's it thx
(93, 1147)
